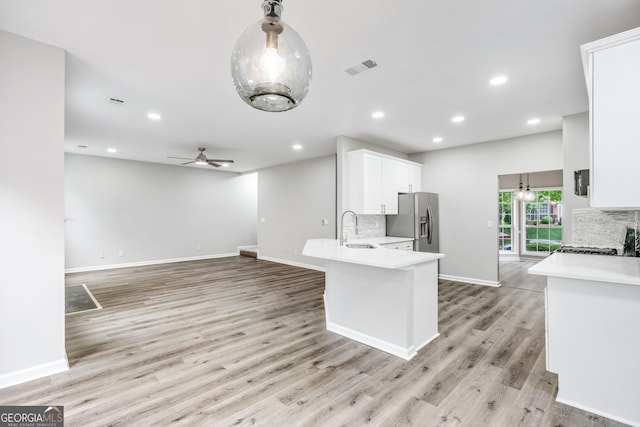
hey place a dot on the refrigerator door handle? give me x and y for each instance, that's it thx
(429, 224)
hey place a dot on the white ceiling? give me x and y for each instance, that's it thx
(435, 60)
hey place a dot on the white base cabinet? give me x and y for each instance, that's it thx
(592, 323)
(402, 246)
(393, 310)
(612, 70)
(592, 341)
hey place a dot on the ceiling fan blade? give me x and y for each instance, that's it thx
(180, 158)
(221, 161)
(212, 163)
(192, 161)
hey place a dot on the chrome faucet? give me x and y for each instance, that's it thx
(342, 226)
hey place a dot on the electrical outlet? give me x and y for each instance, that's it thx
(121, 252)
(101, 255)
(197, 247)
(263, 220)
(325, 222)
(489, 224)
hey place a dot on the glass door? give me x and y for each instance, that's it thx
(507, 234)
(542, 222)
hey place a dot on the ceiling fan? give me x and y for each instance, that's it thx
(201, 159)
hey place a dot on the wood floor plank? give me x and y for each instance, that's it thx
(242, 341)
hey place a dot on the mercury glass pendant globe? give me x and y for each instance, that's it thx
(270, 63)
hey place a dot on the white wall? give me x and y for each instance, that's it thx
(32, 332)
(575, 147)
(293, 199)
(467, 180)
(153, 212)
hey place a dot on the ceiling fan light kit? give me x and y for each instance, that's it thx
(270, 63)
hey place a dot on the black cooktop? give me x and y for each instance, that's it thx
(587, 250)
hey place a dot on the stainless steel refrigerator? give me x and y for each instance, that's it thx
(417, 218)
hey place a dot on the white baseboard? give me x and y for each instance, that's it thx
(33, 373)
(469, 280)
(402, 352)
(293, 263)
(427, 341)
(597, 412)
(145, 263)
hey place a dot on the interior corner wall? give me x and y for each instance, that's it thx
(575, 145)
(32, 334)
(467, 180)
(293, 199)
(125, 212)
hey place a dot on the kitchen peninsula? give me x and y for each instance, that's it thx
(381, 297)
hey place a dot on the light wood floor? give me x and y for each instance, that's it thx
(513, 274)
(240, 341)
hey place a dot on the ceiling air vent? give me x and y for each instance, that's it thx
(361, 66)
(117, 101)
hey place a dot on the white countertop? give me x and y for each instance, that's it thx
(329, 249)
(597, 268)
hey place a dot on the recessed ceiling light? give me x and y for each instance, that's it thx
(297, 147)
(377, 114)
(154, 116)
(437, 139)
(534, 121)
(457, 119)
(112, 150)
(225, 165)
(498, 80)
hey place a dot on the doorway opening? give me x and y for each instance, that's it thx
(529, 230)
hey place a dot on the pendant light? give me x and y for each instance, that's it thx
(528, 194)
(270, 63)
(520, 193)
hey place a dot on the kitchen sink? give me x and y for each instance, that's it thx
(360, 246)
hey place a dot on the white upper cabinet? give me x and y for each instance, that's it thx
(395, 175)
(612, 70)
(365, 184)
(415, 178)
(374, 181)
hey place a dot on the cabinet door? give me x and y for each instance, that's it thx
(372, 187)
(364, 184)
(395, 175)
(615, 132)
(415, 173)
(408, 177)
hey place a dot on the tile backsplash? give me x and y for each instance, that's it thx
(368, 226)
(603, 228)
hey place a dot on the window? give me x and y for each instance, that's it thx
(542, 222)
(505, 219)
